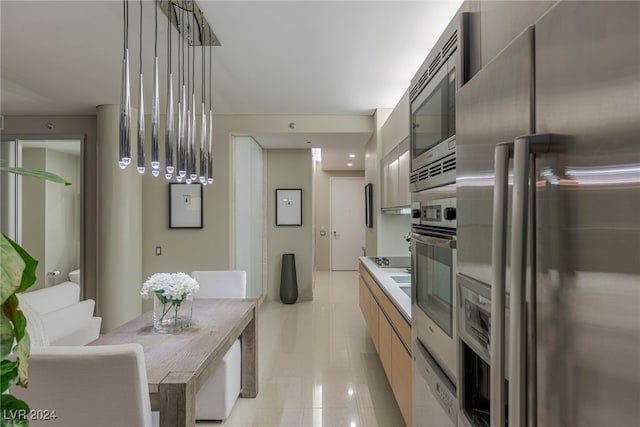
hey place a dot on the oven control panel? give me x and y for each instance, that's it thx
(438, 213)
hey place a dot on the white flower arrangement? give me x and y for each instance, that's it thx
(174, 287)
(171, 290)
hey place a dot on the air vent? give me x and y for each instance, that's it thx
(435, 170)
(450, 45)
(413, 92)
(434, 64)
(449, 165)
(434, 174)
(423, 79)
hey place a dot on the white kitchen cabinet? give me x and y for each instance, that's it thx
(395, 177)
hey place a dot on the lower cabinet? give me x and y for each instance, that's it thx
(388, 331)
(384, 337)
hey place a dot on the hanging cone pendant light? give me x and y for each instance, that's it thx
(168, 132)
(155, 107)
(125, 115)
(210, 153)
(155, 117)
(140, 107)
(124, 140)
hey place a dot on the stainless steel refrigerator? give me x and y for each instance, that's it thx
(548, 187)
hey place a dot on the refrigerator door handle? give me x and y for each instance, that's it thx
(523, 148)
(499, 260)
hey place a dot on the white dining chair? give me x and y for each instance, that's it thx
(216, 397)
(98, 386)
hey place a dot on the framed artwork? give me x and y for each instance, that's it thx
(185, 205)
(289, 206)
(368, 205)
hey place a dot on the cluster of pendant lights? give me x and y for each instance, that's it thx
(184, 140)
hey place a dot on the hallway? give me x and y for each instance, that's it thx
(318, 366)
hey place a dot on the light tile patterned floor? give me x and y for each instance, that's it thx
(318, 366)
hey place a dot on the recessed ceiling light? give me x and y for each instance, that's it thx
(349, 164)
(352, 156)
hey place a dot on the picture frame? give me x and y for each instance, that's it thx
(288, 207)
(368, 205)
(185, 205)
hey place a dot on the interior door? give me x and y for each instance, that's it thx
(347, 224)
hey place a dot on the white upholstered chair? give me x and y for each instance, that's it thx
(216, 397)
(98, 386)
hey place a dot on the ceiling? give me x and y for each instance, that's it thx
(276, 58)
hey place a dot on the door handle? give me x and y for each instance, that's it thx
(524, 150)
(498, 261)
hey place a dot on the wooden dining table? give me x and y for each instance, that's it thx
(178, 364)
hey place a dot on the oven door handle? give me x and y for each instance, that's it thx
(434, 241)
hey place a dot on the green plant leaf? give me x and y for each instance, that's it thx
(11, 268)
(36, 174)
(8, 373)
(14, 412)
(22, 352)
(6, 336)
(19, 321)
(28, 273)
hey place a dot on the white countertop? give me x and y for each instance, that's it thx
(392, 289)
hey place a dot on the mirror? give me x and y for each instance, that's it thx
(43, 217)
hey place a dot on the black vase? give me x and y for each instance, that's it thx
(288, 279)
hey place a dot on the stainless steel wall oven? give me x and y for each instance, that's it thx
(433, 250)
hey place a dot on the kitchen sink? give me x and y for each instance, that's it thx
(401, 279)
(406, 290)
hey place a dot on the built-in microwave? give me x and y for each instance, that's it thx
(433, 112)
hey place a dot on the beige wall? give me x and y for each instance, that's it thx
(211, 247)
(372, 175)
(119, 225)
(290, 169)
(33, 212)
(47, 127)
(322, 194)
(182, 250)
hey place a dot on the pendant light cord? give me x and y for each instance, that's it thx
(188, 62)
(125, 9)
(169, 15)
(140, 36)
(155, 48)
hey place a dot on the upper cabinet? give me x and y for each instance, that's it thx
(395, 177)
(395, 165)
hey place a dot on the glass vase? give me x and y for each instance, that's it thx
(170, 316)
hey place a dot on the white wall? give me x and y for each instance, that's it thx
(249, 213)
(290, 169)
